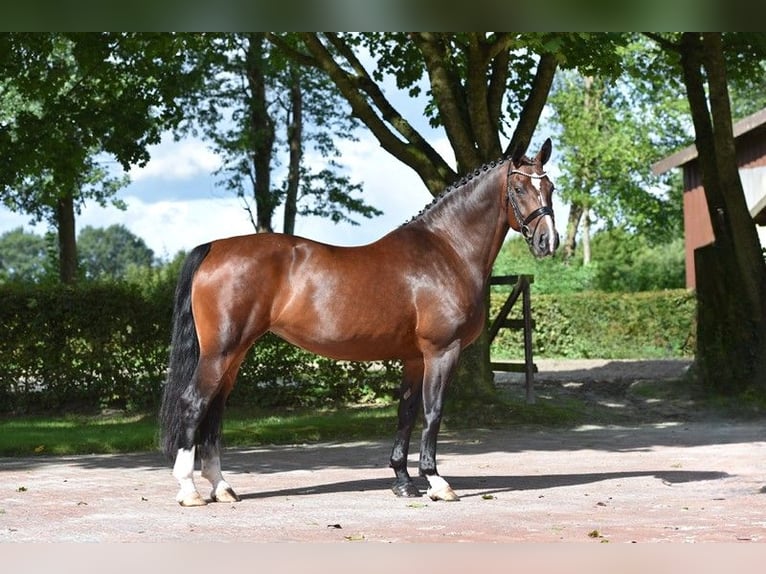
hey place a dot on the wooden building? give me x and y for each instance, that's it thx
(750, 141)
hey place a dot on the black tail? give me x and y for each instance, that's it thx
(184, 355)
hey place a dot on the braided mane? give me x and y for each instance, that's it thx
(467, 178)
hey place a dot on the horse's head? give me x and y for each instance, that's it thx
(529, 201)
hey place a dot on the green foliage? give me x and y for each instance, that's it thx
(551, 275)
(277, 373)
(81, 348)
(110, 253)
(630, 263)
(22, 256)
(67, 97)
(261, 112)
(609, 133)
(657, 324)
(104, 345)
(622, 262)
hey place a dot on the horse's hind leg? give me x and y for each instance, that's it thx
(210, 449)
(213, 382)
(409, 405)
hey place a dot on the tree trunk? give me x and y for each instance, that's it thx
(474, 380)
(586, 258)
(731, 274)
(573, 223)
(294, 139)
(261, 132)
(66, 239)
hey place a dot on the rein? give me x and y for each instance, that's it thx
(539, 212)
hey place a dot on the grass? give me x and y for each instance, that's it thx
(76, 434)
(80, 434)
(118, 433)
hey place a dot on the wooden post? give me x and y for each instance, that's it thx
(521, 288)
(529, 365)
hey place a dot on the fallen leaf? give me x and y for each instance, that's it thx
(416, 505)
(354, 537)
(338, 526)
(21, 489)
(488, 497)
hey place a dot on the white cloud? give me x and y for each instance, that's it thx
(171, 226)
(177, 160)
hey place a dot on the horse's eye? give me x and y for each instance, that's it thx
(520, 190)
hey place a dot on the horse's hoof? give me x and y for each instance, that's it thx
(192, 500)
(406, 490)
(445, 493)
(226, 495)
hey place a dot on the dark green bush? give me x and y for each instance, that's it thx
(85, 347)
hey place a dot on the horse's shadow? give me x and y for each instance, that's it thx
(473, 486)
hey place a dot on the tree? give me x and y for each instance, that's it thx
(256, 104)
(22, 256)
(480, 85)
(731, 274)
(68, 102)
(610, 129)
(112, 252)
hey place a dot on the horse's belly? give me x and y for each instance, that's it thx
(349, 347)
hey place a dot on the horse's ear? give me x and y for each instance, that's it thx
(545, 152)
(518, 152)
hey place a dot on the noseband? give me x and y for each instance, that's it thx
(539, 212)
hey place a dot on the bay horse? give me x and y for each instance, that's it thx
(415, 295)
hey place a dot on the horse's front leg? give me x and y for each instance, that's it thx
(438, 372)
(409, 404)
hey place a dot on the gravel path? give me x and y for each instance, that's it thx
(661, 481)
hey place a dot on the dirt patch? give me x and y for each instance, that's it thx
(663, 480)
(616, 391)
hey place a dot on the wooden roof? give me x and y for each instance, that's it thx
(689, 153)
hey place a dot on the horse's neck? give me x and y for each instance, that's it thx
(473, 224)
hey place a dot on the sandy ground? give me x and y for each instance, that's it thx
(660, 481)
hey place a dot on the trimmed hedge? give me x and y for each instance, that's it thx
(97, 346)
(655, 324)
(74, 348)
(105, 345)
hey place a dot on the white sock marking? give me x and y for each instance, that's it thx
(183, 471)
(436, 482)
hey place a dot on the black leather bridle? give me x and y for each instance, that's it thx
(539, 212)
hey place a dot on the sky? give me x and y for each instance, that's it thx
(173, 203)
